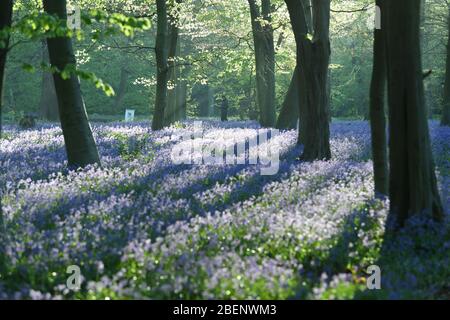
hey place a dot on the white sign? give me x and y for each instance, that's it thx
(129, 115)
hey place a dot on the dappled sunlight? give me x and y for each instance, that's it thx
(147, 228)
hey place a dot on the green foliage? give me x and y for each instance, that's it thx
(132, 148)
(216, 49)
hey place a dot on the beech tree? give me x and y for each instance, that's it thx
(79, 141)
(289, 113)
(162, 72)
(263, 41)
(412, 185)
(176, 91)
(445, 119)
(48, 103)
(313, 58)
(6, 8)
(377, 110)
(287, 119)
(5, 23)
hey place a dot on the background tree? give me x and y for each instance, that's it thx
(263, 41)
(377, 110)
(413, 188)
(162, 73)
(48, 103)
(6, 8)
(445, 119)
(79, 141)
(176, 90)
(5, 24)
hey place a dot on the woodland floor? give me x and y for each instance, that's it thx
(143, 227)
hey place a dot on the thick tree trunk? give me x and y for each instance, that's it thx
(121, 90)
(313, 58)
(445, 119)
(265, 61)
(80, 144)
(413, 188)
(48, 104)
(162, 73)
(377, 110)
(287, 119)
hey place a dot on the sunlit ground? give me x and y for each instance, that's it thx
(144, 227)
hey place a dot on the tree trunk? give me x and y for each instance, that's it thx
(121, 89)
(413, 188)
(170, 112)
(313, 58)
(80, 144)
(377, 110)
(162, 73)
(287, 119)
(445, 119)
(48, 104)
(265, 61)
(182, 100)
(5, 22)
(6, 7)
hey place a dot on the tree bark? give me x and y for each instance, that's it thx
(162, 73)
(445, 119)
(412, 188)
(182, 99)
(122, 88)
(170, 112)
(287, 119)
(6, 8)
(5, 22)
(377, 110)
(48, 104)
(313, 58)
(80, 144)
(264, 60)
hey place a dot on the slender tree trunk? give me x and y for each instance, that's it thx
(265, 61)
(170, 112)
(162, 73)
(80, 144)
(48, 104)
(413, 188)
(122, 88)
(313, 58)
(377, 110)
(6, 8)
(5, 22)
(445, 119)
(287, 119)
(182, 100)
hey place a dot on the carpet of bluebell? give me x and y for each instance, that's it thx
(142, 227)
